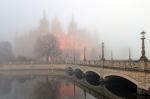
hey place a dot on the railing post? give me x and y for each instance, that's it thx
(143, 65)
(124, 63)
(103, 62)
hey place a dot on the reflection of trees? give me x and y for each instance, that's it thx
(48, 90)
(5, 85)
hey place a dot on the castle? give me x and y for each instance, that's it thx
(71, 42)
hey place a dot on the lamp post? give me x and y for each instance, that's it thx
(74, 55)
(84, 59)
(111, 55)
(103, 51)
(129, 54)
(143, 57)
(74, 58)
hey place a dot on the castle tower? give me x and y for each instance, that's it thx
(72, 29)
(56, 26)
(44, 25)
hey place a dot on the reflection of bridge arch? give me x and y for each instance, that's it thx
(121, 75)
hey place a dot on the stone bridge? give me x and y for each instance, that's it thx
(137, 72)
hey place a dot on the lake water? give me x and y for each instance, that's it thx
(43, 87)
(39, 87)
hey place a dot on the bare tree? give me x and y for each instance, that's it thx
(6, 53)
(47, 46)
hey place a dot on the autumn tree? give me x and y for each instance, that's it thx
(47, 46)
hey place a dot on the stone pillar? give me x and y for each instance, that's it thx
(143, 65)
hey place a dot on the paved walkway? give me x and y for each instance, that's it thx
(31, 70)
(32, 66)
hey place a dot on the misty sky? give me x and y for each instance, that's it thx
(118, 22)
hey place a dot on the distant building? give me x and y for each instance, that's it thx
(25, 44)
(44, 25)
(71, 43)
(56, 27)
(72, 28)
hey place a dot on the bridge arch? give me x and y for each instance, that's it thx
(121, 75)
(93, 77)
(78, 73)
(123, 83)
(79, 68)
(93, 70)
(69, 70)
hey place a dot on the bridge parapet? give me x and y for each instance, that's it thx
(137, 72)
(121, 64)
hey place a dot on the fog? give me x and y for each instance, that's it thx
(118, 23)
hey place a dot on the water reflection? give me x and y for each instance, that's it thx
(43, 87)
(34, 87)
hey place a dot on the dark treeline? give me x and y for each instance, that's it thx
(6, 53)
(46, 47)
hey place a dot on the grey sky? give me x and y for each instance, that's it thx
(118, 22)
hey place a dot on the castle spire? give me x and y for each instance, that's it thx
(56, 26)
(72, 18)
(44, 24)
(72, 29)
(44, 14)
